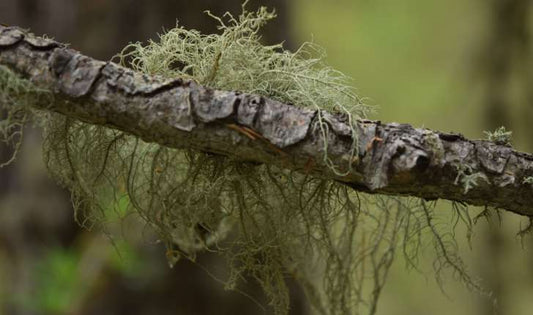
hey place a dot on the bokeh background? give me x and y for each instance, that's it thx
(455, 65)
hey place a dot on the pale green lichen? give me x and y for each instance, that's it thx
(499, 136)
(236, 60)
(528, 180)
(15, 110)
(268, 223)
(434, 144)
(16, 97)
(467, 179)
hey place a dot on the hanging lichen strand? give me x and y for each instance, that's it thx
(269, 223)
(16, 97)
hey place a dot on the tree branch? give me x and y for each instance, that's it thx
(394, 159)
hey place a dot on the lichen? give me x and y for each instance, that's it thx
(236, 60)
(527, 180)
(432, 140)
(467, 179)
(17, 95)
(499, 136)
(14, 106)
(268, 223)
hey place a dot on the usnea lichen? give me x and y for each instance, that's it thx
(236, 60)
(499, 136)
(268, 223)
(16, 97)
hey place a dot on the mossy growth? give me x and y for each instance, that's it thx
(268, 223)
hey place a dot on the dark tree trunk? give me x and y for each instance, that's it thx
(506, 50)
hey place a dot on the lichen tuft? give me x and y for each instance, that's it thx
(499, 136)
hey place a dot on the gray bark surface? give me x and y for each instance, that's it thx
(394, 159)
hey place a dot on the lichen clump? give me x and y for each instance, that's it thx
(268, 223)
(500, 136)
(236, 60)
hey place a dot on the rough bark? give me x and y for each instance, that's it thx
(395, 159)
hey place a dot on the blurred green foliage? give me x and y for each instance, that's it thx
(411, 58)
(126, 260)
(57, 282)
